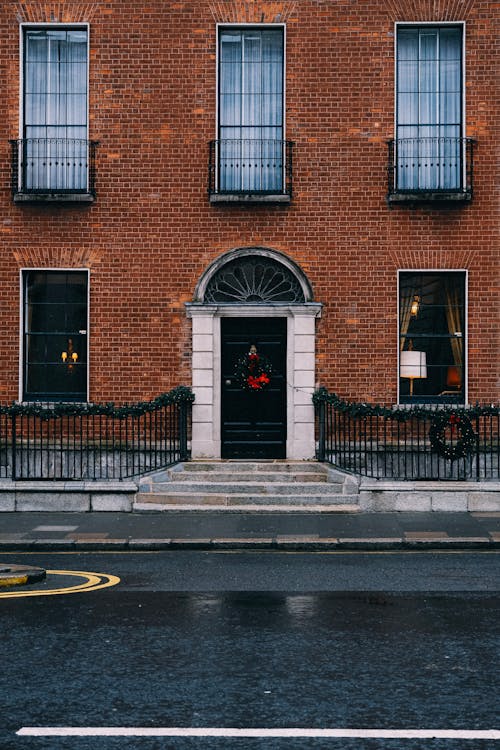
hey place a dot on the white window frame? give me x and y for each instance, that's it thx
(47, 269)
(25, 26)
(439, 24)
(466, 324)
(219, 27)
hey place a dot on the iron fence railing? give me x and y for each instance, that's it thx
(453, 443)
(430, 165)
(250, 166)
(53, 165)
(91, 442)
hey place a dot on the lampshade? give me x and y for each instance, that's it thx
(453, 377)
(413, 364)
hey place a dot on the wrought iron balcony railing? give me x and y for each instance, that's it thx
(430, 169)
(53, 168)
(250, 169)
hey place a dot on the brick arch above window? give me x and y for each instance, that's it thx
(64, 11)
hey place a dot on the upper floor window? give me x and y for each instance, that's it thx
(432, 336)
(55, 312)
(429, 146)
(53, 152)
(251, 152)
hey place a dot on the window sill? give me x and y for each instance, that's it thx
(53, 197)
(282, 198)
(450, 197)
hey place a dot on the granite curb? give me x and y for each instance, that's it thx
(290, 543)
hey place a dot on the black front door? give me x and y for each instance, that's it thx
(253, 420)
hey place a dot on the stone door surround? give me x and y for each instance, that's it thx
(206, 358)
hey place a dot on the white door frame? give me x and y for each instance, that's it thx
(206, 372)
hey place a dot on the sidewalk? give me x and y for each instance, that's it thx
(239, 530)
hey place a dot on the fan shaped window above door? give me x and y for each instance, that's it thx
(254, 279)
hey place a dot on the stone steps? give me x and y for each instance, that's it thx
(262, 486)
(248, 476)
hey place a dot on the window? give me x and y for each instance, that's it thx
(432, 336)
(429, 130)
(55, 335)
(54, 136)
(251, 149)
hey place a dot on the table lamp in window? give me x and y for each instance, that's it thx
(412, 365)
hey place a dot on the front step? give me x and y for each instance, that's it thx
(261, 486)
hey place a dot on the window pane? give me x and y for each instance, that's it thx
(250, 109)
(429, 95)
(431, 322)
(408, 44)
(55, 107)
(55, 325)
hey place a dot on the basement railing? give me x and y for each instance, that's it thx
(452, 443)
(94, 441)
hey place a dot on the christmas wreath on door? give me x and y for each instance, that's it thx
(253, 371)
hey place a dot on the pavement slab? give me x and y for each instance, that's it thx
(120, 530)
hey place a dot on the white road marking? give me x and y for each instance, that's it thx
(419, 734)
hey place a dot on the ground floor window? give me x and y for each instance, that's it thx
(432, 337)
(55, 321)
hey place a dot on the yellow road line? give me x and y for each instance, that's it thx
(92, 582)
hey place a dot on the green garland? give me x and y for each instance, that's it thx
(180, 394)
(465, 444)
(353, 409)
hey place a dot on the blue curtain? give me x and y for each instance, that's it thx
(429, 108)
(251, 110)
(55, 109)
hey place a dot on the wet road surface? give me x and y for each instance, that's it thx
(193, 640)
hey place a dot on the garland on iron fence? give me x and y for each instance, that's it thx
(179, 395)
(354, 409)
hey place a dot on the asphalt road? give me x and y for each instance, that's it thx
(265, 640)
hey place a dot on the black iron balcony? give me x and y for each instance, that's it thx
(53, 169)
(424, 170)
(250, 170)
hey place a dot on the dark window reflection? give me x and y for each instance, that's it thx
(55, 335)
(432, 326)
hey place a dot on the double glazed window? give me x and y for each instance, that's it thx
(55, 335)
(429, 133)
(432, 336)
(55, 146)
(251, 148)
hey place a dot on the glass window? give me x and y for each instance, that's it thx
(429, 108)
(55, 109)
(432, 337)
(251, 110)
(55, 336)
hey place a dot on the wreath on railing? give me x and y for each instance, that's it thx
(466, 437)
(253, 371)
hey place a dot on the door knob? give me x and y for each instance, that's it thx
(228, 381)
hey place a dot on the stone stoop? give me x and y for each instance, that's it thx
(264, 486)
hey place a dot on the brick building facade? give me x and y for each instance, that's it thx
(123, 262)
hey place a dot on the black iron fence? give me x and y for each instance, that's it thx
(430, 165)
(91, 442)
(454, 443)
(53, 165)
(250, 166)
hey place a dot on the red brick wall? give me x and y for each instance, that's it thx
(152, 231)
